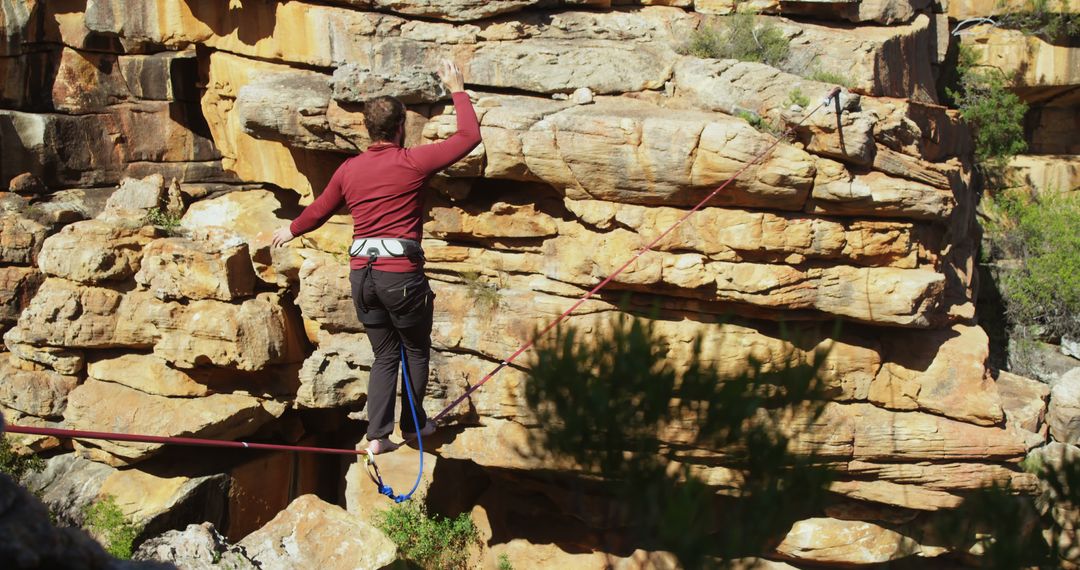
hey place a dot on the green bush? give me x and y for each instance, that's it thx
(163, 219)
(831, 78)
(740, 37)
(430, 542)
(15, 465)
(105, 521)
(604, 401)
(504, 562)
(796, 97)
(1038, 237)
(1047, 19)
(996, 115)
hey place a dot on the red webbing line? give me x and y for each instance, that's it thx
(594, 290)
(73, 433)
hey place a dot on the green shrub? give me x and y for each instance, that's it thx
(831, 78)
(1052, 21)
(504, 562)
(1039, 237)
(996, 115)
(485, 295)
(796, 97)
(15, 465)
(740, 37)
(758, 122)
(164, 219)
(105, 521)
(430, 542)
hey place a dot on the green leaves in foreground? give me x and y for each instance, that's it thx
(105, 521)
(613, 405)
(430, 542)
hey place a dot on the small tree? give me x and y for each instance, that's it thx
(613, 406)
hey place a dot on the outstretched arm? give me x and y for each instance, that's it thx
(431, 158)
(316, 213)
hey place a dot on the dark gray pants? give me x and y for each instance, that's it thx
(396, 310)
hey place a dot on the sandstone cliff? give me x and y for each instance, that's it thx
(598, 133)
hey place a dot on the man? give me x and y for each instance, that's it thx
(382, 188)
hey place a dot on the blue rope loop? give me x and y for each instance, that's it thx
(385, 489)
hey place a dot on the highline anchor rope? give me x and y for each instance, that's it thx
(191, 441)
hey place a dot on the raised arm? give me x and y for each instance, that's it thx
(316, 213)
(431, 158)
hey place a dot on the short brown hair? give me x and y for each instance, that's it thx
(382, 116)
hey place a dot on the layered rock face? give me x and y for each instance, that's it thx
(158, 307)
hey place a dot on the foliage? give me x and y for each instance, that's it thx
(831, 78)
(105, 521)
(504, 562)
(740, 36)
(1052, 21)
(1039, 237)
(164, 219)
(995, 114)
(796, 97)
(1018, 531)
(430, 542)
(15, 465)
(486, 295)
(758, 122)
(604, 401)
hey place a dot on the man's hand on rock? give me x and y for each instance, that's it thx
(451, 76)
(281, 237)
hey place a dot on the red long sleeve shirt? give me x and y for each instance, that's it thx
(382, 188)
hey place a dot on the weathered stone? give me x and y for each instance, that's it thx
(942, 372)
(399, 472)
(961, 9)
(878, 195)
(336, 374)
(146, 373)
(889, 493)
(1024, 401)
(250, 336)
(1027, 59)
(1044, 173)
(834, 541)
(909, 297)
(290, 108)
(1063, 415)
(65, 361)
(95, 251)
(314, 534)
(27, 185)
(32, 541)
(356, 84)
(501, 220)
(165, 76)
(879, 11)
(17, 287)
(85, 82)
(20, 238)
(134, 197)
(325, 295)
(106, 406)
(953, 477)
(197, 546)
(31, 390)
(1052, 128)
(180, 268)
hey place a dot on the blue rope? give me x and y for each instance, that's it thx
(383, 488)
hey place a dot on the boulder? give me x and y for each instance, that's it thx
(878, 195)
(28, 388)
(336, 374)
(86, 82)
(914, 497)
(291, 108)
(197, 546)
(95, 251)
(941, 371)
(146, 373)
(17, 287)
(134, 197)
(1063, 415)
(62, 360)
(164, 76)
(1030, 60)
(314, 534)
(356, 84)
(20, 238)
(106, 406)
(1024, 401)
(326, 296)
(841, 542)
(180, 268)
(1044, 173)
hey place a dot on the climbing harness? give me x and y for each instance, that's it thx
(373, 248)
(373, 468)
